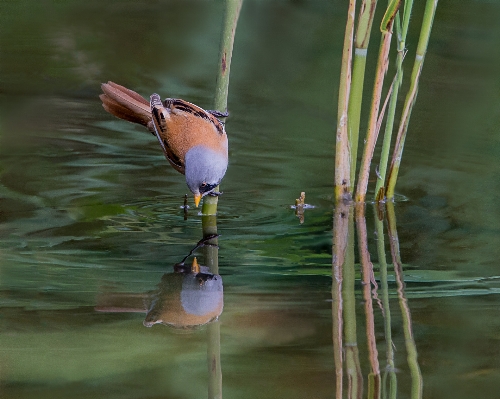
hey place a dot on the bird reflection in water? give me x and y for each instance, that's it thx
(188, 297)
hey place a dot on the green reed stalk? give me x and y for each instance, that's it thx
(353, 365)
(211, 256)
(209, 208)
(411, 348)
(367, 278)
(337, 324)
(213, 359)
(211, 249)
(231, 14)
(401, 32)
(340, 244)
(373, 126)
(430, 10)
(345, 348)
(361, 41)
(342, 148)
(384, 289)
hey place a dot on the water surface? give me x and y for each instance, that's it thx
(90, 209)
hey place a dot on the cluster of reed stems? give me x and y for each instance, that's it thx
(349, 221)
(352, 79)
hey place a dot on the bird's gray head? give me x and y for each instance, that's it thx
(204, 170)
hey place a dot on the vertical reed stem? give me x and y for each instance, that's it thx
(214, 364)
(367, 279)
(430, 10)
(339, 250)
(344, 302)
(372, 133)
(388, 388)
(342, 148)
(211, 255)
(386, 145)
(209, 208)
(353, 366)
(411, 348)
(231, 14)
(361, 41)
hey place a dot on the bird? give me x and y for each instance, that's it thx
(193, 139)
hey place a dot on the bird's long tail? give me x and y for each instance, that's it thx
(126, 104)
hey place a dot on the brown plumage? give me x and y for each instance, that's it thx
(179, 127)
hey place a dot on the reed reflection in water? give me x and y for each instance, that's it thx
(345, 339)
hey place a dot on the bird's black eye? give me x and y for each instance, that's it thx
(205, 187)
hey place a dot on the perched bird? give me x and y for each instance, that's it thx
(193, 140)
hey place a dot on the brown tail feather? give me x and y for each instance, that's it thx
(131, 93)
(118, 110)
(125, 104)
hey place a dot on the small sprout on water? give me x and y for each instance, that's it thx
(300, 201)
(300, 206)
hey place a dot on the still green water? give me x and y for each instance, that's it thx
(91, 220)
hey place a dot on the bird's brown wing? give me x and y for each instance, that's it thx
(160, 118)
(178, 104)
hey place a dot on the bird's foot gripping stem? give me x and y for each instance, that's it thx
(218, 114)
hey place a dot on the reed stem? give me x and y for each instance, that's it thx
(372, 133)
(209, 208)
(411, 348)
(342, 147)
(351, 350)
(361, 41)
(430, 10)
(211, 256)
(343, 301)
(401, 32)
(213, 360)
(367, 280)
(386, 143)
(231, 13)
(389, 382)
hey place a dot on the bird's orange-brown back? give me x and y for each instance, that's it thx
(189, 125)
(180, 125)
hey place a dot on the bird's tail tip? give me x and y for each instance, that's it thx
(125, 103)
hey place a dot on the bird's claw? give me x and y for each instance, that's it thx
(218, 114)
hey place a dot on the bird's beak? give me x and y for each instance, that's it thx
(195, 267)
(197, 198)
